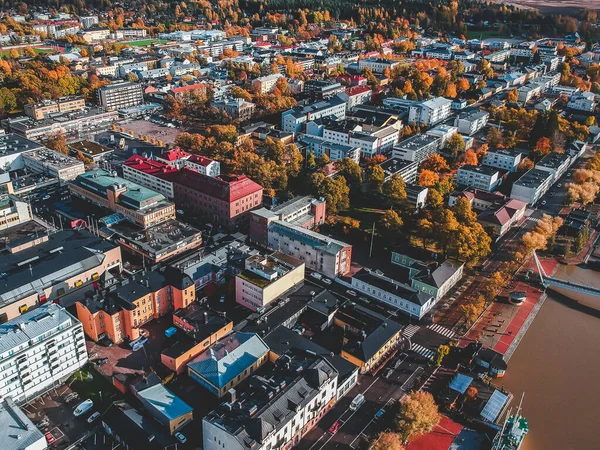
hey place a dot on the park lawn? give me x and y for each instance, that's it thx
(38, 51)
(145, 42)
(366, 216)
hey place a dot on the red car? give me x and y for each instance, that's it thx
(50, 438)
(334, 428)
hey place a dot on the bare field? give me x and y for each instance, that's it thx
(153, 130)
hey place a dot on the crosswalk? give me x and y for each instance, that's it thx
(441, 330)
(423, 351)
(410, 330)
(533, 219)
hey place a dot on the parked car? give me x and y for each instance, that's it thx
(180, 437)
(387, 373)
(327, 281)
(49, 438)
(144, 333)
(100, 361)
(379, 414)
(334, 428)
(71, 397)
(316, 275)
(170, 331)
(105, 342)
(83, 407)
(93, 417)
(351, 292)
(559, 185)
(543, 202)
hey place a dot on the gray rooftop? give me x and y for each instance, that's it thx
(19, 432)
(32, 325)
(308, 237)
(165, 402)
(533, 178)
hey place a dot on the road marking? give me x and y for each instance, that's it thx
(442, 330)
(423, 351)
(410, 330)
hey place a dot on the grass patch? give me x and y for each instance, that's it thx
(38, 51)
(89, 384)
(366, 216)
(145, 42)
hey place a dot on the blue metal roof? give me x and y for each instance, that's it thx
(494, 405)
(461, 383)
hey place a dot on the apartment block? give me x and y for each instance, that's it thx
(479, 177)
(306, 212)
(555, 163)
(147, 172)
(319, 252)
(120, 95)
(293, 119)
(471, 121)
(39, 111)
(503, 159)
(532, 186)
(48, 162)
(377, 65)
(416, 148)
(267, 83)
(39, 350)
(265, 278)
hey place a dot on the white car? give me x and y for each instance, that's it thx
(83, 407)
(180, 437)
(327, 281)
(93, 417)
(316, 276)
(351, 292)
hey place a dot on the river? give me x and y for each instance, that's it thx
(557, 365)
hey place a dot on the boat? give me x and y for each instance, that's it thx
(517, 297)
(513, 432)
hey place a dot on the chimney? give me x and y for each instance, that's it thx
(231, 395)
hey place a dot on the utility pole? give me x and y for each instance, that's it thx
(372, 235)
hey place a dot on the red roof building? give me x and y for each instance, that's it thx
(148, 173)
(222, 200)
(181, 90)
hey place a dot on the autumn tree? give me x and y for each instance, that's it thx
(57, 142)
(387, 440)
(455, 144)
(542, 147)
(349, 169)
(428, 178)
(374, 177)
(435, 163)
(512, 96)
(469, 157)
(335, 191)
(440, 354)
(418, 414)
(392, 223)
(495, 138)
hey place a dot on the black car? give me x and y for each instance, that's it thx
(105, 342)
(100, 361)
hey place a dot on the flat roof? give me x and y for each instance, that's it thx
(90, 148)
(19, 431)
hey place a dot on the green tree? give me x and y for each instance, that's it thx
(335, 191)
(374, 176)
(395, 189)
(455, 144)
(441, 353)
(349, 169)
(311, 161)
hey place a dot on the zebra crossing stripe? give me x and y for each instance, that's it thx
(410, 330)
(419, 349)
(442, 330)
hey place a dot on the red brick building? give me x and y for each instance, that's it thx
(225, 201)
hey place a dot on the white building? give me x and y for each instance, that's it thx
(120, 95)
(407, 299)
(430, 112)
(292, 120)
(319, 252)
(583, 101)
(480, 177)
(267, 83)
(444, 132)
(503, 158)
(377, 65)
(470, 122)
(39, 350)
(417, 148)
(555, 163)
(532, 186)
(204, 165)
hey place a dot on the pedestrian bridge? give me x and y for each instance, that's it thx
(563, 284)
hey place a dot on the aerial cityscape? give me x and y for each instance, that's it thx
(252, 225)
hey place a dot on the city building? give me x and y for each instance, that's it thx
(120, 95)
(409, 300)
(555, 163)
(267, 83)
(396, 166)
(322, 89)
(118, 310)
(127, 426)
(40, 110)
(12, 149)
(437, 281)
(335, 151)
(583, 101)
(266, 278)
(90, 150)
(13, 211)
(532, 186)
(39, 350)
(480, 177)
(165, 407)
(223, 201)
(305, 211)
(416, 195)
(416, 148)
(369, 337)
(276, 412)
(356, 95)
(471, 121)
(202, 327)
(293, 119)
(319, 252)
(174, 157)
(147, 172)
(227, 363)
(377, 65)
(20, 432)
(135, 202)
(53, 164)
(45, 267)
(204, 165)
(429, 112)
(236, 108)
(507, 159)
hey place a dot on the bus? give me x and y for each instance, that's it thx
(357, 402)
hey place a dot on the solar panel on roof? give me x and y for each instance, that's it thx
(494, 406)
